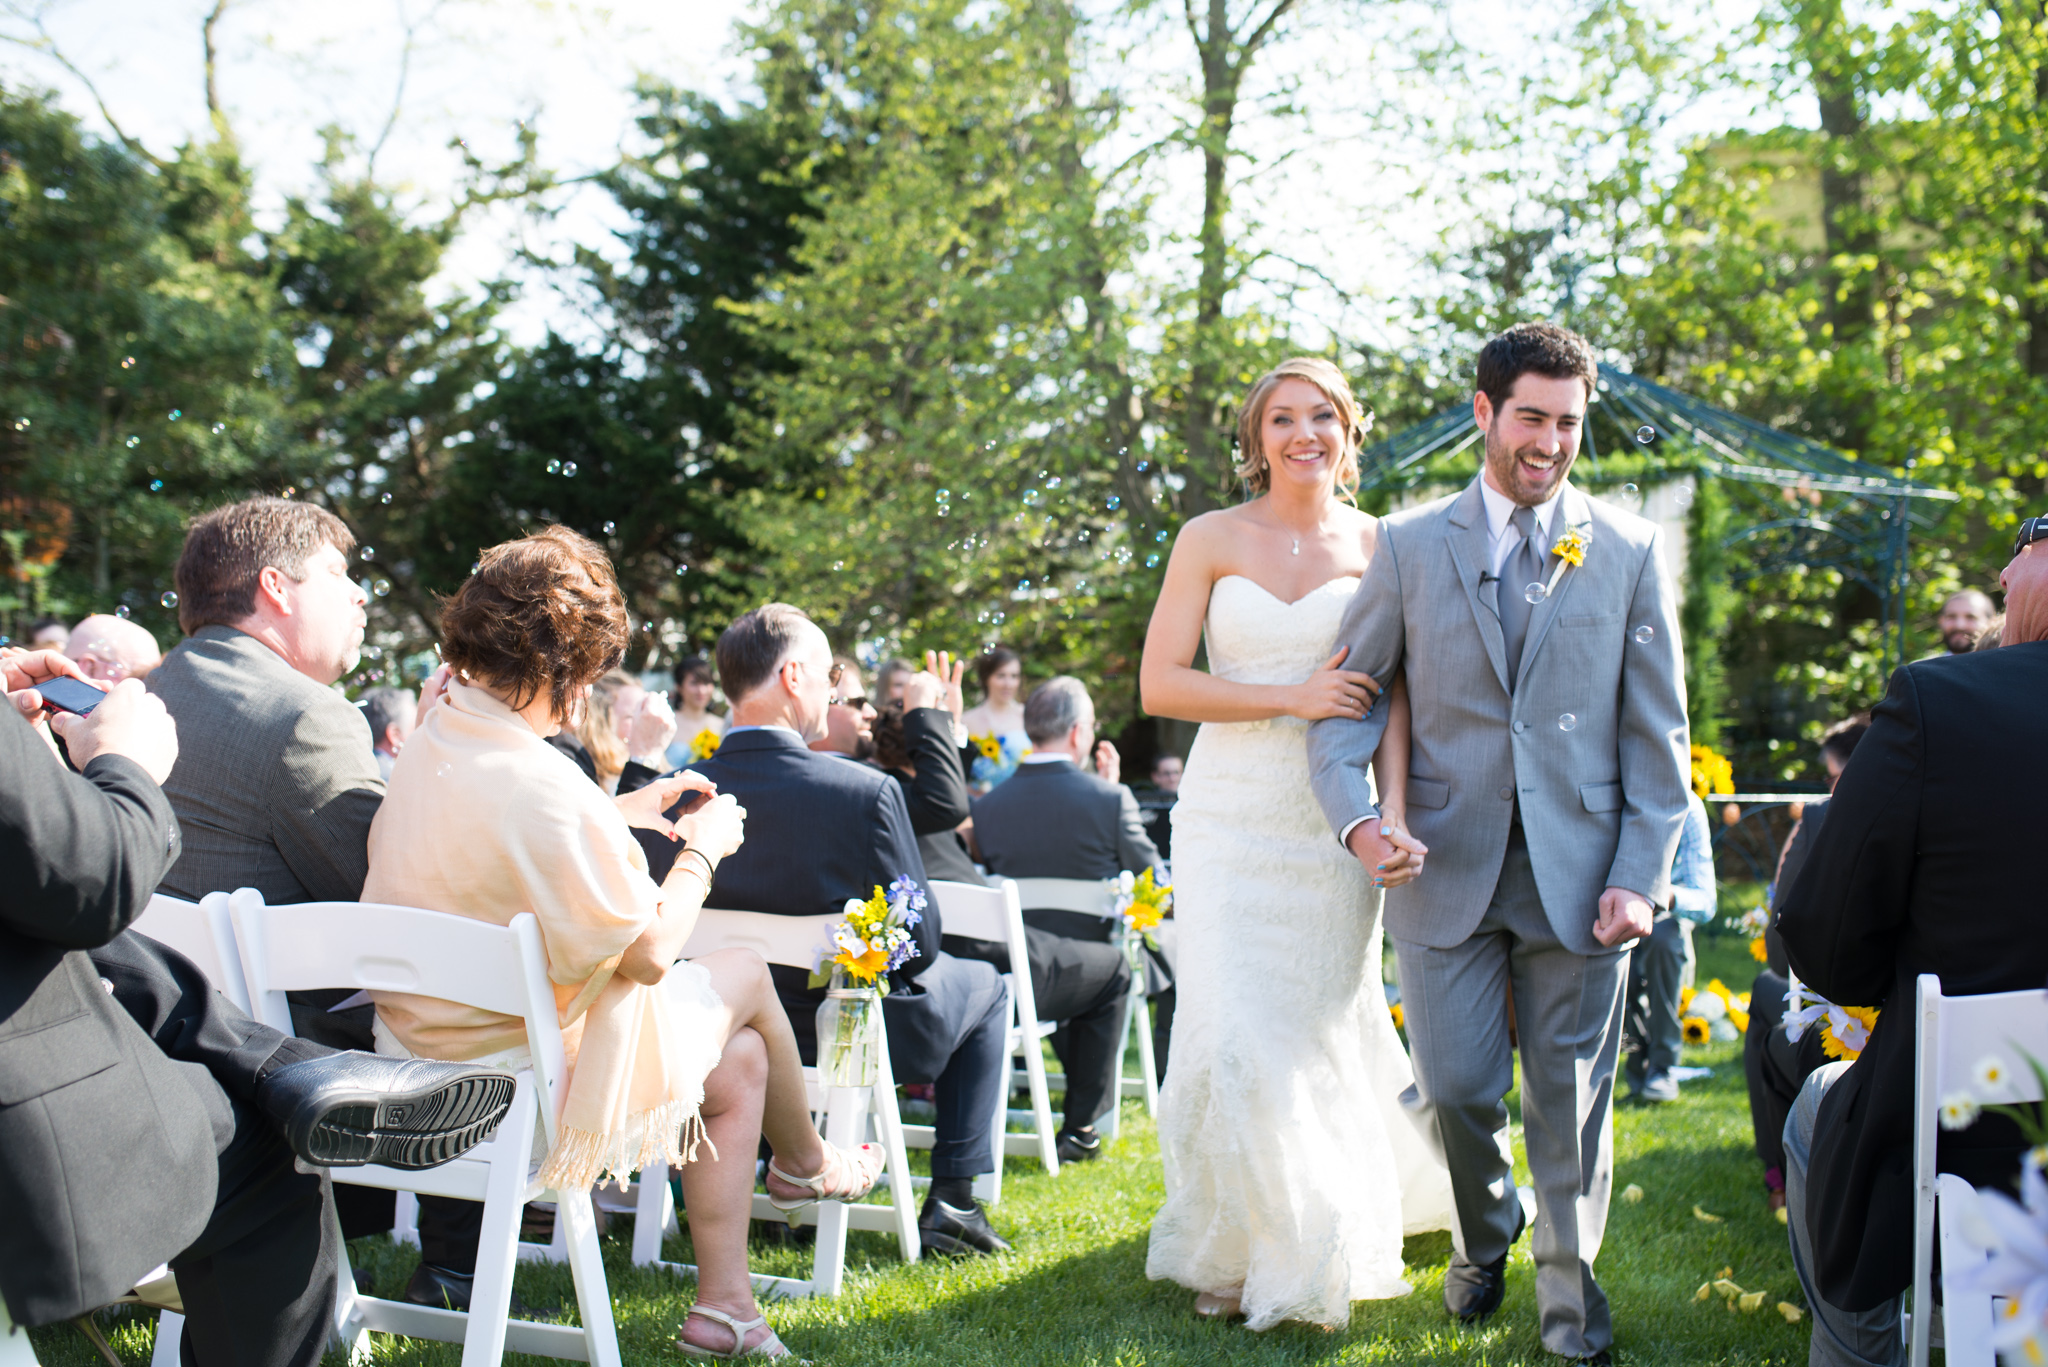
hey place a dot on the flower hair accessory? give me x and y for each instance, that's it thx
(874, 938)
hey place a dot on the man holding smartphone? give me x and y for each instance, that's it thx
(144, 1119)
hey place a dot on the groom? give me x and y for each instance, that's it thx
(1548, 780)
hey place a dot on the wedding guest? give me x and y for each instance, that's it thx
(1928, 863)
(113, 648)
(698, 728)
(277, 780)
(1964, 617)
(390, 713)
(621, 739)
(995, 726)
(1774, 1066)
(913, 742)
(483, 820)
(1055, 820)
(49, 634)
(1657, 963)
(889, 681)
(1157, 805)
(147, 1120)
(823, 831)
(849, 716)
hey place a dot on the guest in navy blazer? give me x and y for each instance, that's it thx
(821, 831)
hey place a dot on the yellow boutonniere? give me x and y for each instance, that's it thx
(1569, 550)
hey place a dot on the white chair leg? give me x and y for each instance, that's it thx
(653, 1213)
(490, 1297)
(846, 1113)
(15, 1348)
(170, 1332)
(1965, 1315)
(350, 1337)
(1141, 1020)
(405, 1219)
(902, 1194)
(586, 1265)
(1041, 1100)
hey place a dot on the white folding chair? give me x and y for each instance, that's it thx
(203, 932)
(1953, 1035)
(1091, 897)
(794, 941)
(994, 913)
(367, 945)
(15, 1348)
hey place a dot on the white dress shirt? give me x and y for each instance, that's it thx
(1041, 757)
(1501, 536)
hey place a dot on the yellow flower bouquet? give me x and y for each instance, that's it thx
(1711, 771)
(704, 745)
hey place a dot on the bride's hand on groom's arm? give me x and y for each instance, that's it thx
(1333, 692)
(1624, 915)
(1391, 855)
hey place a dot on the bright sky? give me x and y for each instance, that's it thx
(1331, 187)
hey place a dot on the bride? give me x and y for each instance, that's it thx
(1281, 1122)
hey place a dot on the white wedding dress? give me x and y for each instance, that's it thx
(1291, 1169)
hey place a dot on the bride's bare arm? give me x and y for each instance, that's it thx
(1171, 686)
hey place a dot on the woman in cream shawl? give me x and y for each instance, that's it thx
(691, 1061)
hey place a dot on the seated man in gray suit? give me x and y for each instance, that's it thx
(1051, 819)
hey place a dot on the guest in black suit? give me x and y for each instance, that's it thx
(1929, 863)
(1774, 1066)
(143, 1119)
(1054, 820)
(821, 831)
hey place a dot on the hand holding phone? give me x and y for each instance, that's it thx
(75, 696)
(128, 720)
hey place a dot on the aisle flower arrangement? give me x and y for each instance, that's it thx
(1142, 902)
(874, 938)
(1713, 1012)
(1845, 1030)
(2014, 1233)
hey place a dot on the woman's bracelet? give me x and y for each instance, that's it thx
(710, 869)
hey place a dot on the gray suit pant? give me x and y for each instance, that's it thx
(1568, 1016)
(1841, 1338)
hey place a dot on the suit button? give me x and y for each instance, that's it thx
(1520, 727)
(1507, 795)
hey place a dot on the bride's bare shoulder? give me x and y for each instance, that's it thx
(1363, 525)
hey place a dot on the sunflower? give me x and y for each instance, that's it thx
(1695, 1029)
(1711, 771)
(1400, 1016)
(991, 748)
(704, 744)
(1847, 1038)
(1759, 951)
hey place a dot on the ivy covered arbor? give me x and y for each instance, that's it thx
(1761, 515)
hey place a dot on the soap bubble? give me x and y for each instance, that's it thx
(1645, 435)
(134, 442)
(838, 565)
(156, 486)
(443, 769)
(1031, 498)
(1536, 593)
(1644, 634)
(127, 363)
(610, 527)
(121, 611)
(1684, 496)
(369, 552)
(177, 413)
(21, 424)
(1023, 585)
(475, 565)
(1159, 538)
(169, 600)
(1152, 561)
(682, 570)
(1143, 466)
(1630, 491)
(219, 428)
(1115, 503)
(569, 470)
(386, 499)
(1567, 722)
(1053, 483)
(381, 587)
(554, 467)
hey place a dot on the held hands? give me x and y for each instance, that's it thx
(1624, 915)
(644, 806)
(1390, 855)
(1333, 692)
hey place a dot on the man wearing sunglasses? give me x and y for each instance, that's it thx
(1927, 864)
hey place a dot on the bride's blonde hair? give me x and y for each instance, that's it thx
(1252, 466)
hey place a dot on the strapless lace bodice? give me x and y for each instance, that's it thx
(1256, 638)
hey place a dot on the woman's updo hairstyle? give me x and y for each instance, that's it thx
(992, 661)
(541, 614)
(1252, 466)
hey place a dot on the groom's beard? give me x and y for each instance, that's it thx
(1516, 480)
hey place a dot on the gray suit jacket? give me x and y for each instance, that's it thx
(1602, 803)
(275, 785)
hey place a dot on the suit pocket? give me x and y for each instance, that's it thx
(1601, 797)
(1427, 792)
(41, 1061)
(1605, 619)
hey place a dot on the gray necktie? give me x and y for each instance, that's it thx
(1524, 567)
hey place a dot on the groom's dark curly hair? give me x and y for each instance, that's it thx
(1535, 348)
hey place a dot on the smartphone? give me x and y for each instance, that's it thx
(67, 694)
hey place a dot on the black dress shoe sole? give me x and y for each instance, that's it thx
(408, 1130)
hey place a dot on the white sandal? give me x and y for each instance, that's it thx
(770, 1347)
(866, 1161)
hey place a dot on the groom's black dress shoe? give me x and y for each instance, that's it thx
(345, 1110)
(1473, 1292)
(1079, 1146)
(948, 1229)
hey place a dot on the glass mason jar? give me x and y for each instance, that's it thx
(849, 1033)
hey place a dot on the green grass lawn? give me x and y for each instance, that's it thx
(1074, 1292)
